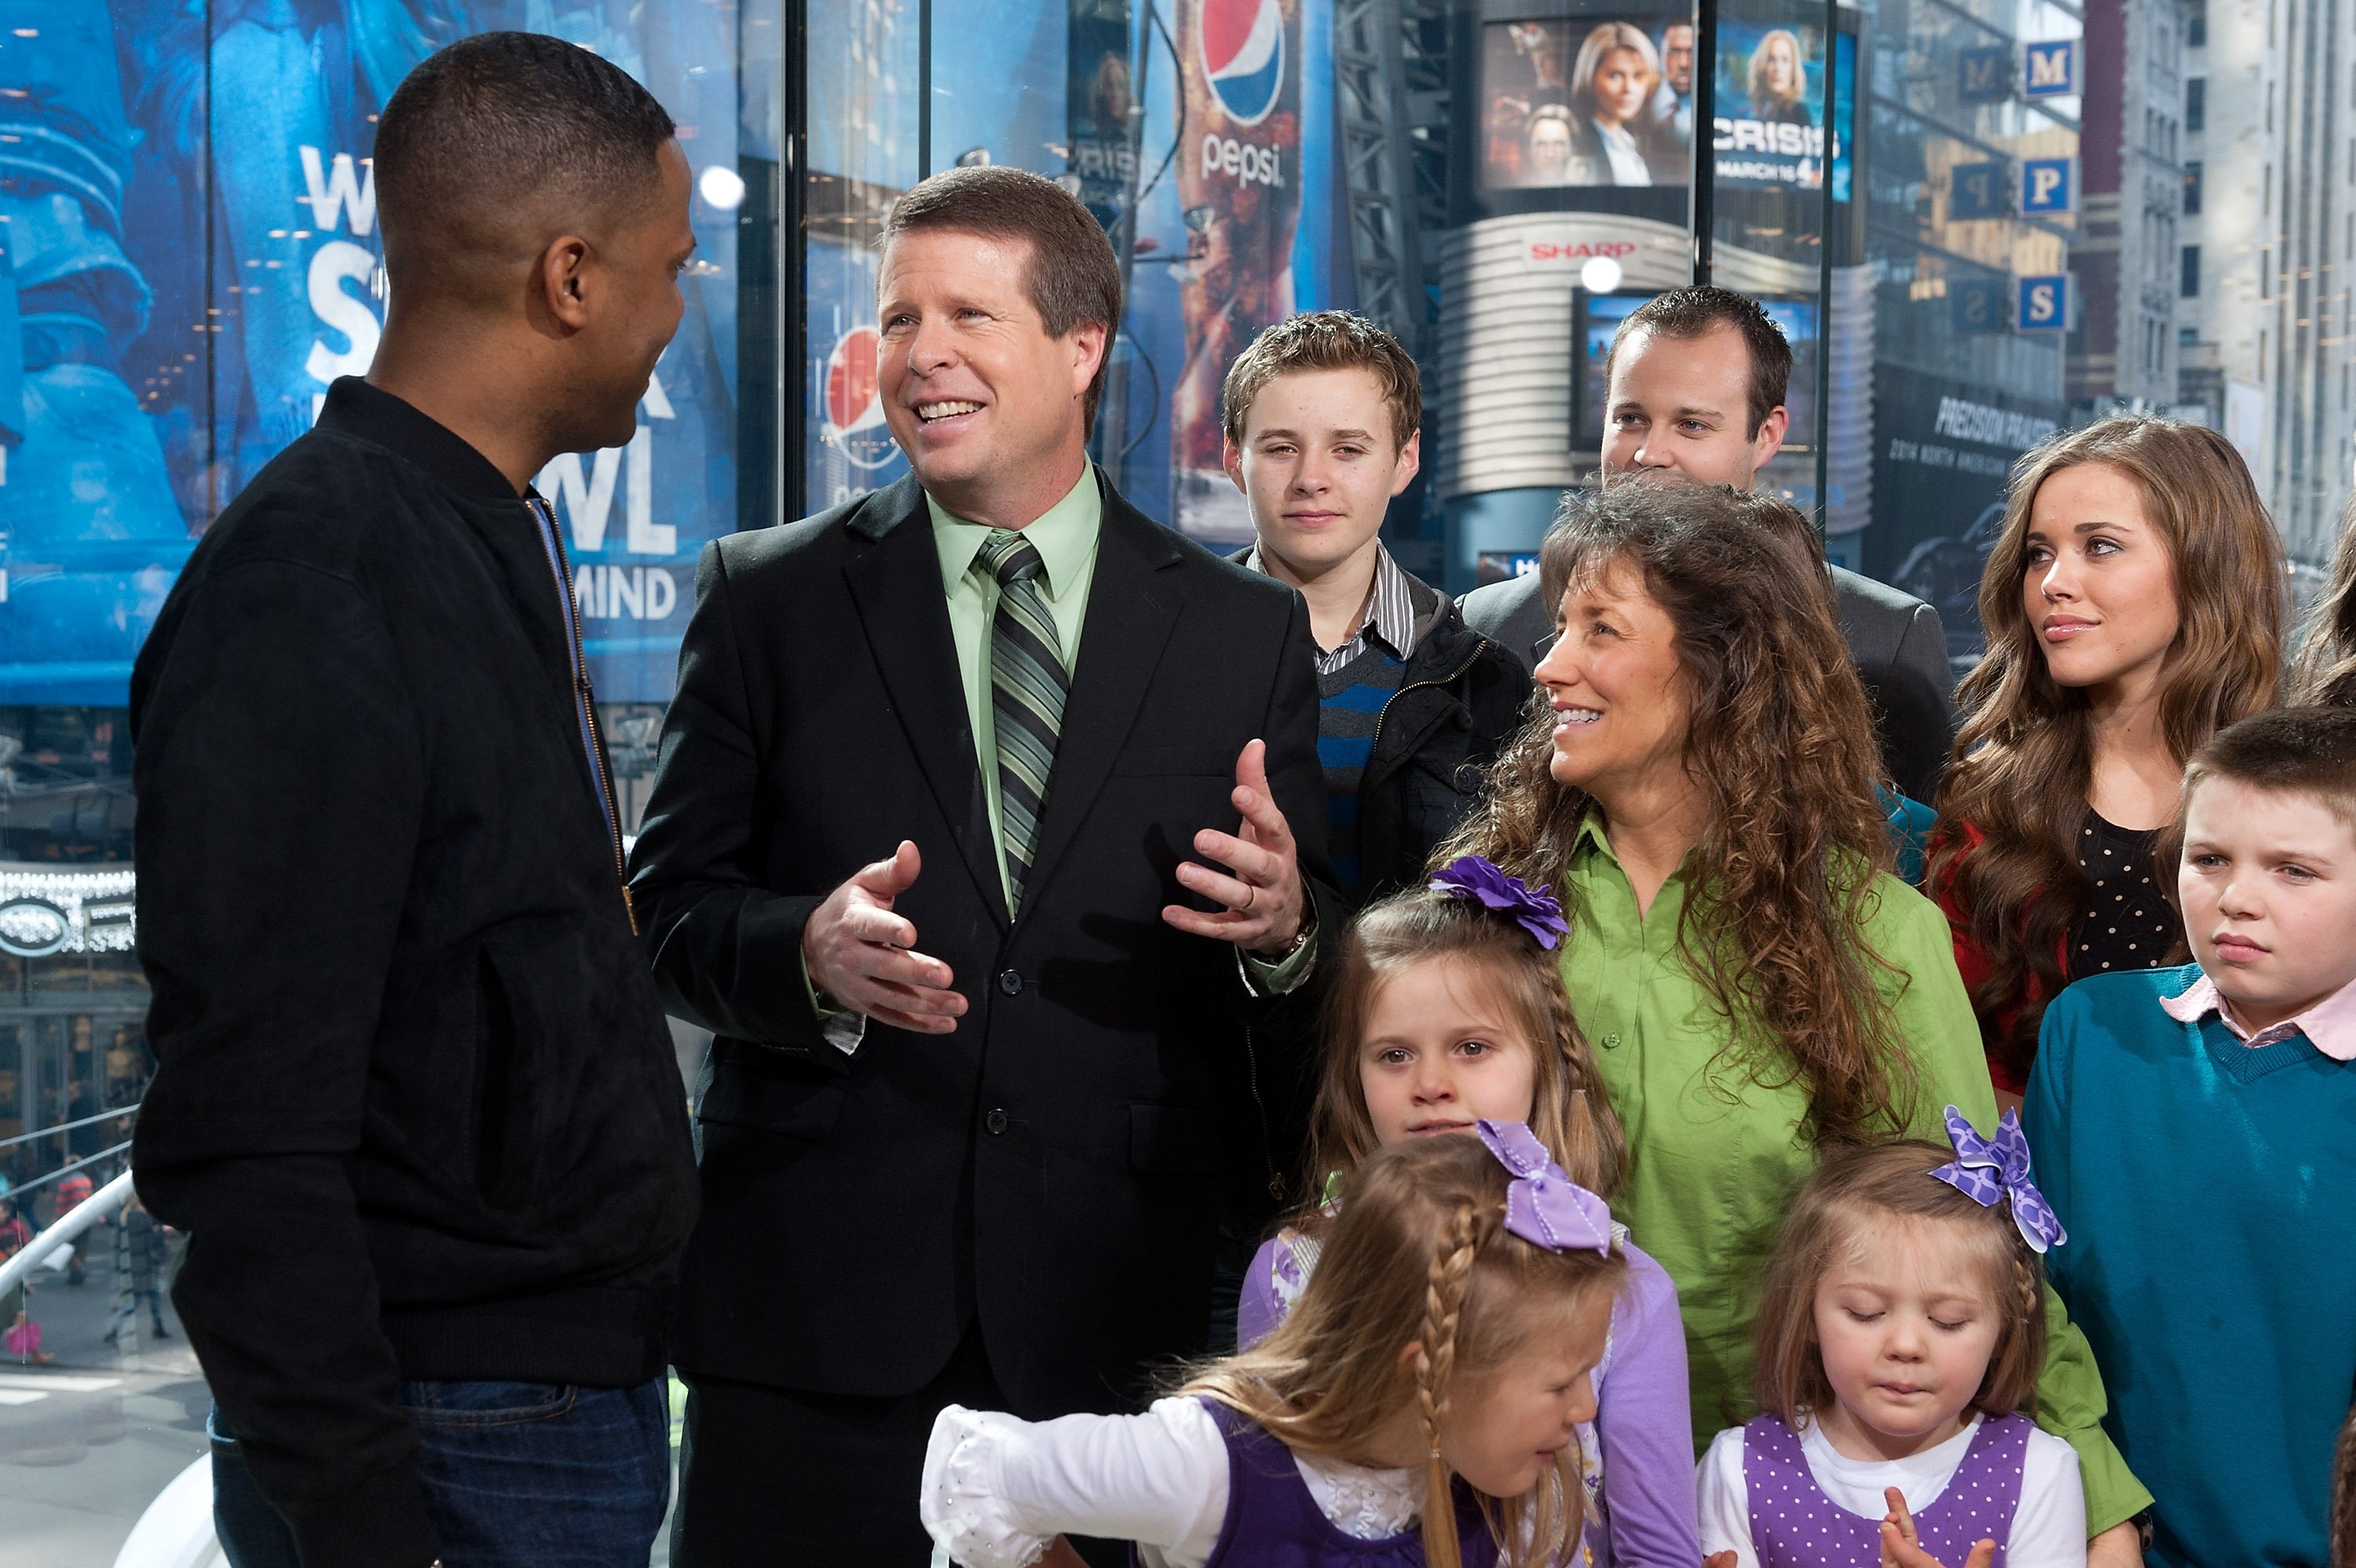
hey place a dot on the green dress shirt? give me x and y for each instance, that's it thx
(1715, 1159)
(1065, 538)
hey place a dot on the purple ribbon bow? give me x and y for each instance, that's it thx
(1543, 1205)
(1987, 1169)
(1535, 910)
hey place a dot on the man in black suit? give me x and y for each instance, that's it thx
(1697, 380)
(942, 770)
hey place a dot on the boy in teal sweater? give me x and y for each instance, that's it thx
(2195, 1131)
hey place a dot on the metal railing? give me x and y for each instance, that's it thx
(90, 1211)
(130, 1109)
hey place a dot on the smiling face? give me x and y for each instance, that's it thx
(988, 406)
(1621, 703)
(1506, 1427)
(1319, 466)
(2268, 889)
(1440, 1052)
(1906, 1323)
(2098, 583)
(1621, 84)
(1678, 410)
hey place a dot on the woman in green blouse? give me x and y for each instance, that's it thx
(1756, 983)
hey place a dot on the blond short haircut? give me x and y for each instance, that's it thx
(1325, 340)
(1852, 1188)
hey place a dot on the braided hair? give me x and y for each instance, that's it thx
(1418, 1288)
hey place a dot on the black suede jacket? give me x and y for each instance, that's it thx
(414, 1099)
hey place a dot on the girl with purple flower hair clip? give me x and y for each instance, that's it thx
(1445, 1007)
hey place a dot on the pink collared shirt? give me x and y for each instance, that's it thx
(2330, 1024)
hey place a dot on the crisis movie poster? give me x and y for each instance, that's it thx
(1594, 100)
(1769, 121)
(192, 257)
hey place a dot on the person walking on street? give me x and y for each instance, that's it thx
(144, 1243)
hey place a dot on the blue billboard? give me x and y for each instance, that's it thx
(191, 255)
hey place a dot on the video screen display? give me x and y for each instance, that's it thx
(1586, 102)
(1768, 129)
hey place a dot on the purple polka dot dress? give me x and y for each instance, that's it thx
(1794, 1525)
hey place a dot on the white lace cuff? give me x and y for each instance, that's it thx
(962, 1502)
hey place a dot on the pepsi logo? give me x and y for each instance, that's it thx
(854, 405)
(1242, 46)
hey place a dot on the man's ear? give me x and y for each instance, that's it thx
(1411, 463)
(1770, 439)
(1231, 458)
(1089, 340)
(561, 283)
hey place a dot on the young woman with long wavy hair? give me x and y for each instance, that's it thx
(1698, 793)
(2326, 669)
(2133, 606)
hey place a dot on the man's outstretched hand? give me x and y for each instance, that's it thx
(863, 955)
(1262, 885)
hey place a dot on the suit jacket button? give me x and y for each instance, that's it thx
(1010, 982)
(995, 1121)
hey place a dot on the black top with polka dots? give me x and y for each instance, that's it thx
(2129, 924)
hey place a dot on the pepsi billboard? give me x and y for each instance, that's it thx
(193, 255)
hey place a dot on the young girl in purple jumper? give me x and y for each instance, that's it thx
(1418, 1409)
(1901, 1330)
(1447, 1006)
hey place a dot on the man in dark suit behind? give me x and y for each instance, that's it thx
(1697, 380)
(943, 768)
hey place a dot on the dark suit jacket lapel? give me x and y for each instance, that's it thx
(1130, 617)
(895, 576)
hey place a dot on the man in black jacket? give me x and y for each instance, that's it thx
(944, 767)
(1322, 414)
(415, 1101)
(1697, 381)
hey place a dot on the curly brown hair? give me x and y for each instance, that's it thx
(1782, 883)
(2014, 800)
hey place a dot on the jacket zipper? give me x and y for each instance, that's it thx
(1259, 1109)
(1376, 739)
(588, 700)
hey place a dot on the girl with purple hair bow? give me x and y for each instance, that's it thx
(1446, 1007)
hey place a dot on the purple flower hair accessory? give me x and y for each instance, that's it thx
(1988, 1169)
(1535, 910)
(1543, 1205)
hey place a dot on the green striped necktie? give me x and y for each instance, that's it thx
(1027, 687)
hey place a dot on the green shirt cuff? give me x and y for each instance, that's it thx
(2070, 1404)
(1285, 974)
(822, 1005)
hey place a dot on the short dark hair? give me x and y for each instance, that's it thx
(1693, 312)
(1325, 340)
(2292, 751)
(1073, 276)
(497, 123)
